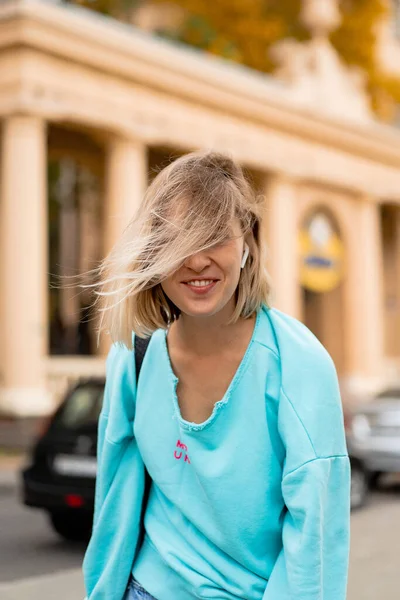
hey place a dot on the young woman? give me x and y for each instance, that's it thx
(236, 417)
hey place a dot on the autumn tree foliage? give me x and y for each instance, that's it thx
(245, 30)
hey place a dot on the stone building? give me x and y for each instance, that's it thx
(90, 108)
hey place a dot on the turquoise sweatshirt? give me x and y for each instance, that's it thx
(252, 504)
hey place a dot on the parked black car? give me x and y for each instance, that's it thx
(61, 477)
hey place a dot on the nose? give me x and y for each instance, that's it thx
(198, 262)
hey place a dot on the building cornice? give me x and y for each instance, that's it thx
(82, 37)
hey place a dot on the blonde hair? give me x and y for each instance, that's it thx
(189, 207)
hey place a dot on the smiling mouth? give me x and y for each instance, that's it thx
(200, 286)
(200, 282)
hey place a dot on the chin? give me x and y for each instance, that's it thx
(202, 307)
(193, 309)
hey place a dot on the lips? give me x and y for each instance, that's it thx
(200, 286)
(200, 282)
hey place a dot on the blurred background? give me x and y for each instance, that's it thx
(95, 97)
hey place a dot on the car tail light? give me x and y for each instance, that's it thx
(74, 500)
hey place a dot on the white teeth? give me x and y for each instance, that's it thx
(198, 283)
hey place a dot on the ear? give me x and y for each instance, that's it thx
(245, 255)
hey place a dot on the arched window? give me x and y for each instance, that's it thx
(322, 266)
(321, 252)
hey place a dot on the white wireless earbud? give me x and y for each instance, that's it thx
(245, 255)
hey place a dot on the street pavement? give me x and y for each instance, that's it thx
(35, 564)
(65, 585)
(375, 548)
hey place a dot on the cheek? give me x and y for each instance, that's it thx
(230, 267)
(166, 286)
(170, 287)
(231, 261)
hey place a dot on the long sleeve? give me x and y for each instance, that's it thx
(313, 562)
(99, 492)
(110, 554)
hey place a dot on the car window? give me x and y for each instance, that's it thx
(82, 407)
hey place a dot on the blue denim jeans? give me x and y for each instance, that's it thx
(136, 592)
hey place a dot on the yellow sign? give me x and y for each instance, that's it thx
(321, 255)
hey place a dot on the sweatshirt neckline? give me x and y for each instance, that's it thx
(189, 425)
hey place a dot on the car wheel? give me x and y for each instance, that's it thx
(71, 526)
(359, 485)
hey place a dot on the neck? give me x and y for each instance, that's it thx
(206, 335)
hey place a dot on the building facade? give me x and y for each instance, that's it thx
(91, 108)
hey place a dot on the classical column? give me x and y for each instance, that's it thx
(23, 266)
(281, 230)
(364, 293)
(126, 182)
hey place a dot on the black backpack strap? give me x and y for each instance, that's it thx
(141, 345)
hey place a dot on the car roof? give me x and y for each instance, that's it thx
(99, 381)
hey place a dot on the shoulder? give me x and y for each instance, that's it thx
(300, 352)
(297, 352)
(120, 362)
(120, 387)
(121, 379)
